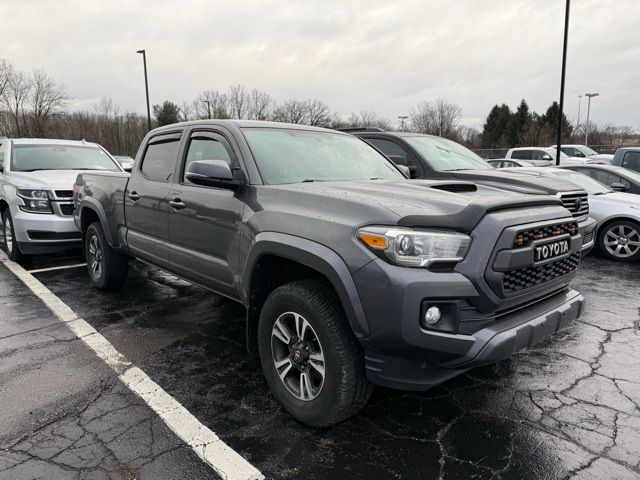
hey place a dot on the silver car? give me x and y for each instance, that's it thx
(36, 192)
(617, 214)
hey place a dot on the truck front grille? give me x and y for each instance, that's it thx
(516, 280)
(577, 203)
(525, 237)
(64, 193)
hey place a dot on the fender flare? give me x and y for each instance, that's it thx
(95, 206)
(315, 256)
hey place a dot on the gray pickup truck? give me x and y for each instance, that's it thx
(351, 274)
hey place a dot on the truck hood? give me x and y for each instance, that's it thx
(523, 182)
(45, 179)
(415, 203)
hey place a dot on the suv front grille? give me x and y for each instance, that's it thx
(516, 280)
(64, 193)
(525, 237)
(577, 203)
(67, 208)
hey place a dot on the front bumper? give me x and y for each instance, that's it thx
(44, 233)
(587, 229)
(493, 343)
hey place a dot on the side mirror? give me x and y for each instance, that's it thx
(546, 157)
(404, 169)
(579, 154)
(619, 187)
(127, 167)
(210, 173)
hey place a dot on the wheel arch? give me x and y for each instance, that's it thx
(91, 211)
(282, 250)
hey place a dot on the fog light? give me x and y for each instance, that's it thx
(432, 316)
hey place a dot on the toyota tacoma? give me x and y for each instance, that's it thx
(351, 274)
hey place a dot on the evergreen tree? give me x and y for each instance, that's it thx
(550, 118)
(518, 124)
(167, 113)
(494, 131)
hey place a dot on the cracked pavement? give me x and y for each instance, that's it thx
(568, 408)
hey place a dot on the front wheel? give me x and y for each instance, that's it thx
(620, 240)
(312, 362)
(107, 268)
(10, 242)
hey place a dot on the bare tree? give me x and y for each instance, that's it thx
(258, 105)
(291, 111)
(367, 118)
(46, 98)
(238, 101)
(318, 113)
(6, 70)
(16, 91)
(217, 106)
(441, 118)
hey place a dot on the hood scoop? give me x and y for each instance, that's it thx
(457, 187)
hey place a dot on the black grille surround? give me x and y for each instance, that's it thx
(576, 202)
(524, 238)
(523, 278)
(588, 238)
(64, 193)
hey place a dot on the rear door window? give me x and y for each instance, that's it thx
(160, 157)
(631, 161)
(521, 154)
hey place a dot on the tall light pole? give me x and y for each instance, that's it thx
(146, 85)
(579, 104)
(402, 119)
(564, 68)
(586, 128)
(208, 109)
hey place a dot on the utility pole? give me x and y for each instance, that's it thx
(564, 68)
(402, 119)
(586, 128)
(146, 85)
(208, 109)
(579, 103)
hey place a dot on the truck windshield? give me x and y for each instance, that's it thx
(30, 158)
(295, 156)
(445, 156)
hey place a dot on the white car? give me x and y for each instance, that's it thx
(617, 214)
(544, 157)
(582, 151)
(36, 192)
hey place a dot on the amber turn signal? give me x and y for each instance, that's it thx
(373, 240)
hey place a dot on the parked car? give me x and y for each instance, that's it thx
(627, 157)
(617, 178)
(502, 163)
(582, 151)
(36, 180)
(617, 214)
(125, 162)
(431, 157)
(544, 157)
(351, 274)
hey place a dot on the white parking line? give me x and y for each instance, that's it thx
(226, 462)
(62, 267)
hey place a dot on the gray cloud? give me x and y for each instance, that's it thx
(375, 55)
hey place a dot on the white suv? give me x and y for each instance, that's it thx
(544, 157)
(36, 192)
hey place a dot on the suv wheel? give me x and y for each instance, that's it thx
(311, 360)
(10, 242)
(107, 268)
(620, 240)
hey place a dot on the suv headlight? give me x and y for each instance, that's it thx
(415, 248)
(35, 201)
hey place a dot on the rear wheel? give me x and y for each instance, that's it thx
(107, 268)
(312, 362)
(10, 242)
(620, 240)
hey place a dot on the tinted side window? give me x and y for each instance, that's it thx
(631, 161)
(539, 154)
(388, 148)
(605, 177)
(205, 148)
(521, 154)
(160, 159)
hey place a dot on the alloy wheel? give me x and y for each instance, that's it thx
(8, 234)
(622, 241)
(298, 356)
(95, 256)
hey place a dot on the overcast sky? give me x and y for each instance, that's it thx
(384, 56)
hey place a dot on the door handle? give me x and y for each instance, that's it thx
(133, 196)
(177, 204)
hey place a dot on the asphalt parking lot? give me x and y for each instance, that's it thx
(568, 408)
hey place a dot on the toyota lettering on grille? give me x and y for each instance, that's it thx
(551, 250)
